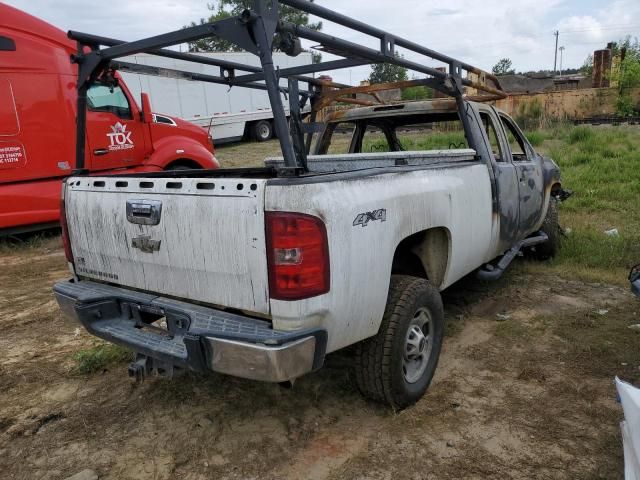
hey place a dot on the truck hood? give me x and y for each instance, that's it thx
(165, 126)
(164, 119)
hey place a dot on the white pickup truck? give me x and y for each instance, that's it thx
(260, 273)
(260, 277)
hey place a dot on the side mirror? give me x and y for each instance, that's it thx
(147, 116)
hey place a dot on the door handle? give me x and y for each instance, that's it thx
(144, 212)
(100, 151)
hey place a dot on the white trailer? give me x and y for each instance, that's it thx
(230, 114)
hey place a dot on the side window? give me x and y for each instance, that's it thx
(103, 98)
(515, 140)
(493, 137)
(7, 44)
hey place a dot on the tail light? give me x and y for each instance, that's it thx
(297, 256)
(66, 241)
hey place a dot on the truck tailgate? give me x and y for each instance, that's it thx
(207, 243)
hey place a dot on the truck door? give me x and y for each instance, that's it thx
(114, 129)
(506, 182)
(528, 167)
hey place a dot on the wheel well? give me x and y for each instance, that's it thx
(424, 254)
(183, 162)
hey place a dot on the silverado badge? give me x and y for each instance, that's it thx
(145, 243)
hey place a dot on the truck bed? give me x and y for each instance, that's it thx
(358, 161)
(327, 164)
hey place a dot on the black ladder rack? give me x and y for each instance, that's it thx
(259, 30)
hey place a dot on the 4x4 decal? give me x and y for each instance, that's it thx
(366, 217)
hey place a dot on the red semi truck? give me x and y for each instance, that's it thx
(37, 125)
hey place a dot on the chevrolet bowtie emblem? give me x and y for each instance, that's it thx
(145, 243)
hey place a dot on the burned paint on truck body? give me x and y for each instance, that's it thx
(521, 184)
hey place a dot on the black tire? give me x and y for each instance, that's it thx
(551, 227)
(262, 130)
(173, 168)
(380, 360)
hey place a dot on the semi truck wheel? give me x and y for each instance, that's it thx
(396, 366)
(183, 165)
(262, 131)
(551, 227)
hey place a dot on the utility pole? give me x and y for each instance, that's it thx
(561, 51)
(555, 52)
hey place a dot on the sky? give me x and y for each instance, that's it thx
(477, 32)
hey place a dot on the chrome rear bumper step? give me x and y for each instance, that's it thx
(196, 338)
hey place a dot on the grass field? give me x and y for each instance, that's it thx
(523, 387)
(601, 165)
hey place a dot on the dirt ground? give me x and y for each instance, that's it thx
(523, 390)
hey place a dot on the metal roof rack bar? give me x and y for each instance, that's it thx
(226, 66)
(254, 31)
(387, 39)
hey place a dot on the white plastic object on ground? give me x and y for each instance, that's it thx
(630, 399)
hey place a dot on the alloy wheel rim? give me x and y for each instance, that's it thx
(417, 347)
(264, 131)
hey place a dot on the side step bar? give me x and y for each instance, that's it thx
(492, 272)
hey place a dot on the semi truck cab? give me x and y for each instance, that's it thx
(121, 134)
(38, 125)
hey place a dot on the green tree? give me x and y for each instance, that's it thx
(626, 75)
(387, 72)
(419, 92)
(587, 66)
(232, 8)
(503, 67)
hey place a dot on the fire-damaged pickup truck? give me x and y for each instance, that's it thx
(347, 239)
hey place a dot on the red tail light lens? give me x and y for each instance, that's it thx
(66, 242)
(297, 255)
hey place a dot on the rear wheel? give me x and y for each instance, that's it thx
(396, 366)
(551, 227)
(262, 131)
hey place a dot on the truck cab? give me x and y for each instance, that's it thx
(37, 125)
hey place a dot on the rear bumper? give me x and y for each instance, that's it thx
(197, 338)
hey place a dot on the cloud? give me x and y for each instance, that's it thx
(588, 27)
(582, 34)
(128, 20)
(477, 32)
(442, 12)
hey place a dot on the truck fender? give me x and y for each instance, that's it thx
(424, 254)
(552, 189)
(172, 149)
